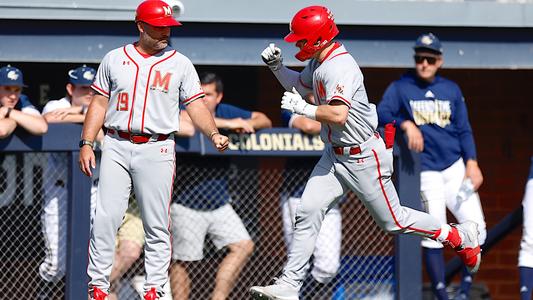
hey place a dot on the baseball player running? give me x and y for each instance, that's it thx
(525, 256)
(355, 157)
(139, 88)
(432, 112)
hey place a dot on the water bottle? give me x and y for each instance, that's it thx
(465, 191)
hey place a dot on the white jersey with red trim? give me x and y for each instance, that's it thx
(145, 91)
(339, 78)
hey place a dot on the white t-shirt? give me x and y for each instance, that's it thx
(56, 104)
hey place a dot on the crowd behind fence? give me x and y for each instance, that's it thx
(259, 173)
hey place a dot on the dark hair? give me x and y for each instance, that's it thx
(210, 77)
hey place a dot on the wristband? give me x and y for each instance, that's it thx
(213, 134)
(86, 142)
(310, 111)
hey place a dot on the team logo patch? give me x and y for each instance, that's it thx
(12, 75)
(438, 112)
(161, 83)
(168, 10)
(88, 75)
(426, 40)
(339, 89)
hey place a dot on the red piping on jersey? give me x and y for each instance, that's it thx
(148, 84)
(335, 46)
(169, 203)
(337, 97)
(302, 83)
(431, 233)
(134, 87)
(145, 55)
(99, 90)
(342, 53)
(191, 99)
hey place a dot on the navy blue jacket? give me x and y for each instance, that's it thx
(439, 110)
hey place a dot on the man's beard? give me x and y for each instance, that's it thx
(156, 44)
(161, 44)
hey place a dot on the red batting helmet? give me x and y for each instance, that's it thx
(315, 25)
(156, 13)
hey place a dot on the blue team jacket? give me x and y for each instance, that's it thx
(439, 110)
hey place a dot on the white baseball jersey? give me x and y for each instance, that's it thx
(338, 77)
(145, 92)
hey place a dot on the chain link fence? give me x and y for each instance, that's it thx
(256, 189)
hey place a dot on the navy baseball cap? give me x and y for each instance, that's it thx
(11, 76)
(428, 41)
(82, 75)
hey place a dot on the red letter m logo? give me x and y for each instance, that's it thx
(161, 83)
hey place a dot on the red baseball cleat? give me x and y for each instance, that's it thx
(97, 294)
(468, 250)
(151, 294)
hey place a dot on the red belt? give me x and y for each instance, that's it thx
(138, 138)
(351, 151)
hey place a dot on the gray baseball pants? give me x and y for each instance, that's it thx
(150, 168)
(368, 175)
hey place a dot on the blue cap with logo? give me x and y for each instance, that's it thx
(428, 41)
(82, 75)
(11, 76)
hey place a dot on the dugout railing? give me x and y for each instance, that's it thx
(374, 265)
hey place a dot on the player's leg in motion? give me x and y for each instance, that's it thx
(321, 191)
(525, 256)
(153, 167)
(111, 203)
(326, 256)
(371, 181)
(468, 210)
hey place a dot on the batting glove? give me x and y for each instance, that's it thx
(293, 102)
(272, 57)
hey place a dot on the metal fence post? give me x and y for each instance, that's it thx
(408, 251)
(79, 191)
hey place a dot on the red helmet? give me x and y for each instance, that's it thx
(316, 25)
(156, 13)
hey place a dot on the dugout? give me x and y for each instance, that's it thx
(487, 48)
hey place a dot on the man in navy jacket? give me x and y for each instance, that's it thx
(431, 110)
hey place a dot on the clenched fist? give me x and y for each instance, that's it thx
(293, 102)
(220, 141)
(272, 57)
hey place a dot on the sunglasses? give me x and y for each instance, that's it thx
(430, 59)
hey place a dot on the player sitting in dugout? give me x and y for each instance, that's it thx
(16, 109)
